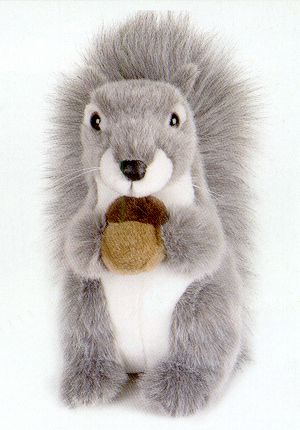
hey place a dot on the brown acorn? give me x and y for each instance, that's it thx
(132, 241)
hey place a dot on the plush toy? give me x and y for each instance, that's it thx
(149, 168)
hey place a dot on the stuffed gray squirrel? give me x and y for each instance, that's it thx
(150, 215)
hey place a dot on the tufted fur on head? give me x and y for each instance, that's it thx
(165, 61)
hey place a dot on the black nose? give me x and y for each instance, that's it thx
(133, 169)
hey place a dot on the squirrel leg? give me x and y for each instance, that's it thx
(91, 371)
(205, 342)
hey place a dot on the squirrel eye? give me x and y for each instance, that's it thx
(174, 120)
(95, 121)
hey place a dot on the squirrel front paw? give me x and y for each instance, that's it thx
(82, 246)
(175, 388)
(91, 382)
(194, 240)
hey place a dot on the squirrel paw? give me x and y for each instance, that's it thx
(175, 389)
(92, 382)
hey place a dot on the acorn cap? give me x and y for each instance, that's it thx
(147, 210)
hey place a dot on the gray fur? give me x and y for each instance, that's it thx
(181, 233)
(138, 72)
(205, 342)
(92, 372)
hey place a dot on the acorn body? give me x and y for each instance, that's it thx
(132, 240)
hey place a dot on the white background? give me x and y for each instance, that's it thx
(39, 40)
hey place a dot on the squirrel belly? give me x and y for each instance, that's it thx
(141, 305)
(140, 308)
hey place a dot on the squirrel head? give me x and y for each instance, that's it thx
(140, 133)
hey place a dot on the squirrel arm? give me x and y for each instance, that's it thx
(194, 239)
(82, 244)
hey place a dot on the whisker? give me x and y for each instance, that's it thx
(83, 169)
(196, 186)
(210, 192)
(69, 178)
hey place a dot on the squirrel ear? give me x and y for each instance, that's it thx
(92, 77)
(184, 78)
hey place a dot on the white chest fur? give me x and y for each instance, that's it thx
(141, 306)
